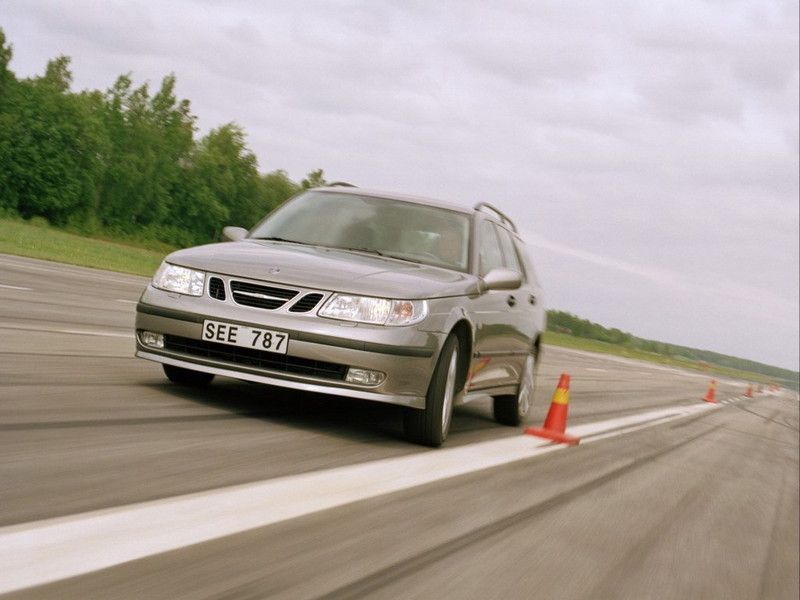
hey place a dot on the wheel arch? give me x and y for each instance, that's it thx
(462, 329)
(537, 346)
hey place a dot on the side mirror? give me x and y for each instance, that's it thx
(502, 279)
(233, 234)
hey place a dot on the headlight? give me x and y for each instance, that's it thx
(173, 278)
(376, 311)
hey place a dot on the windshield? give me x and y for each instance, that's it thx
(404, 230)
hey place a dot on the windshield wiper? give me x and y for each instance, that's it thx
(390, 255)
(367, 250)
(405, 258)
(280, 239)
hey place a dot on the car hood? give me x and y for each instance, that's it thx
(325, 269)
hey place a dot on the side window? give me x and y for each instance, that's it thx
(490, 254)
(509, 252)
(528, 263)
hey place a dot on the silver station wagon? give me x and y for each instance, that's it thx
(357, 293)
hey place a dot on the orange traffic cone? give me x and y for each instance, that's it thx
(749, 392)
(556, 422)
(712, 390)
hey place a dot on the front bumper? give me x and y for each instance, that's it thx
(406, 355)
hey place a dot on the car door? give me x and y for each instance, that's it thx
(522, 303)
(495, 332)
(534, 291)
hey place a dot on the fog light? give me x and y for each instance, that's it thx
(154, 340)
(364, 376)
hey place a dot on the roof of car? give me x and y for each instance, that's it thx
(342, 189)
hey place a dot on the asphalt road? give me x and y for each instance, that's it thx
(704, 506)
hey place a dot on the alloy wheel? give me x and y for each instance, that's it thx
(449, 392)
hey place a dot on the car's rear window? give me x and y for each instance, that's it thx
(406, 230)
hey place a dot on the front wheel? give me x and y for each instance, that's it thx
(431, 425)
(512, 409)
(183, 376)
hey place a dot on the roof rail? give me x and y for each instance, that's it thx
(340, 184)
(498, 212)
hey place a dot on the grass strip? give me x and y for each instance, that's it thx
(45, 242)
(564, 340)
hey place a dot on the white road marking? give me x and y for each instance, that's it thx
(67, 331)
(53, 549)
(633, 362)
(97, 333)
(651, 416)
(596, 369)
(126, 301)
(631, 429)
(75, 270)
(15, 287)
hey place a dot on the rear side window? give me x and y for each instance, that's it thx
(491, 256)
(511, 260)
(526, 259)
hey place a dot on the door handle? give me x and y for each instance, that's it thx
(511, 300)
(532, 299)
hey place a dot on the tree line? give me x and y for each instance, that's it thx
(126, 160)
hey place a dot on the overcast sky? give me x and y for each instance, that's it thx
(648, 150)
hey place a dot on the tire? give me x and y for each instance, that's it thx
(430, 426)
(512, 409)
(187, 377)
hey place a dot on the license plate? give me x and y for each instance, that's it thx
(267, 340)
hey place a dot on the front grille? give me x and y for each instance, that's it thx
(255, 358)
(260, 296)
(306, 303)
(216, 288)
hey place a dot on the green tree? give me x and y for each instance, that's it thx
(49, 139)
(6, 54)
(150, 139)
(226, 168)
(314, 179)
(57, 74)
(274, 189)
(196, 214)
(8, 200)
